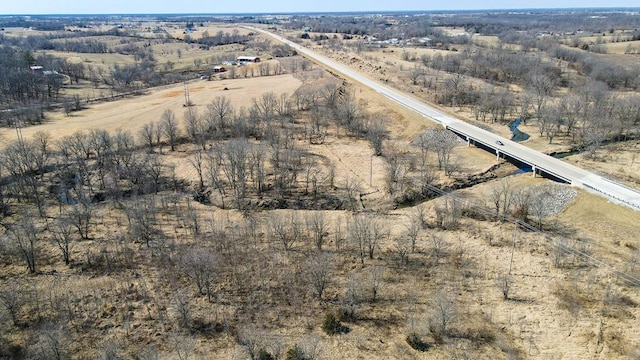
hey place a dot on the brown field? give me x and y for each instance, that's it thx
(131, 114)
(578, 311)
(209, 28)
(626, 47)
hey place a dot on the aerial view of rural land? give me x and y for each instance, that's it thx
(316, 181)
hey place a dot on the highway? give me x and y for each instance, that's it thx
(541, 163)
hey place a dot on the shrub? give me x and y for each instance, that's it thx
(416, 342)
(332, 325)
(482, 334)
(265, 355)
(296, 353)
(348, 313)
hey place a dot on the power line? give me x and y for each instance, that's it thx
(559, 243)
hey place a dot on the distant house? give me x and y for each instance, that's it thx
(219, 69)
(248, 59)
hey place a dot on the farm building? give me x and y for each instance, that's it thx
(219, 69)
(246, 59)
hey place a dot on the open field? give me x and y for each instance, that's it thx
(626, 47)
(131, 114)
(534, 322)
(157, 270)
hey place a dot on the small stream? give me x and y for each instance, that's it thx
(517, 135)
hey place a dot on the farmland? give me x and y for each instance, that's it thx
(152, 208)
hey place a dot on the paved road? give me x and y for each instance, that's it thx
(541, 162)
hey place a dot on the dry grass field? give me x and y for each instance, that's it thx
(626, 47)
(131, 114)
(506, 293)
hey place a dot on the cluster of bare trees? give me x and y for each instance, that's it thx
(590, 114)
(21, 87)
(223, 38)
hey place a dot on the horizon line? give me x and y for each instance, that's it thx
(333, 12)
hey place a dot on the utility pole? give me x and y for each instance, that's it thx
(186, 95)
(19, 133)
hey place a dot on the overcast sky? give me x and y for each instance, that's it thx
(278, 6)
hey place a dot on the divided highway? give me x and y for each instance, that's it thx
(540, 162)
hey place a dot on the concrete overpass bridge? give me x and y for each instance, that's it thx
(540, 163)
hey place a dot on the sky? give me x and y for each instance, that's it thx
(37, 7)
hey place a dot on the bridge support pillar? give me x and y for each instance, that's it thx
(534, 170)
(468, 141)
(497, 155)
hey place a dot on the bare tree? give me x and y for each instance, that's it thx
(220, 112)
(195, 126)
(521, 200)
(444, 311)
(397, 169)
(235, 161)
(141, 216)
(439, 247)
(541, 87)
(320, 272)
(375, 280)
(285, 230)
(183, 307)
(413, 231)
(12, 299)
(352, 189)
(419, 216)
(448, 213)
(379, 233)
(200, 264)
(538, 206)
(147, 134)
(626, 112)
(402, 247)
(571, 106)
(365, 232)
(182, 343)
(354, 295)
(348, 113)
(81, 215)
(318, 228)
(62, 229)
(550, 120)
(25, 162)
(24, 237)
(416, 73)
(53, 342)
(442, 142)
(455, 85)
(170, 128)
(198, 162)
(252, 341)
(159, 132)
(330, 93)
(427, 174)
(359, 232)
(257, 167)
(265, 107)
(376, 131)
(501, 197)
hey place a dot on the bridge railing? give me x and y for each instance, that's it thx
(537, 166)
